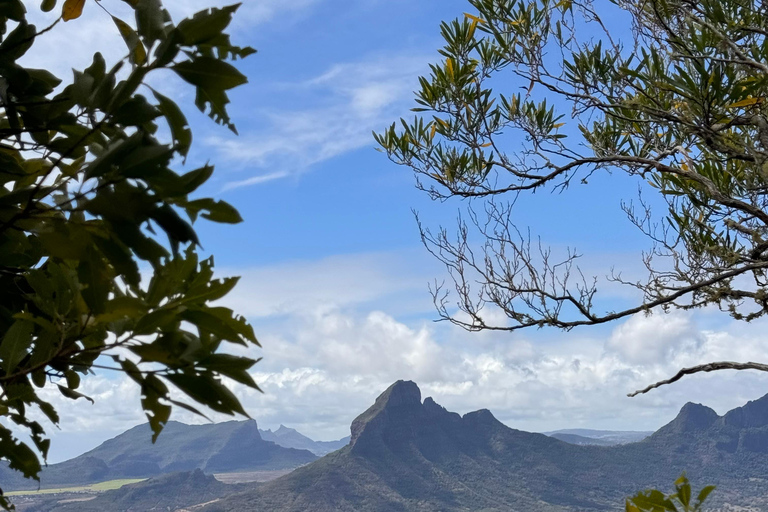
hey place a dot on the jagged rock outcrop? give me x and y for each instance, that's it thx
(409, 455)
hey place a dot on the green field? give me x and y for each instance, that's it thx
(101, 486)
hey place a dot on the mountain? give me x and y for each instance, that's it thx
(291, 438)
(409, 455)
(174, 491)
(598, 437)
(213, 448)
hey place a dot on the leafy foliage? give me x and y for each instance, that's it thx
(88, 195)
(670, 92)
(680, 501)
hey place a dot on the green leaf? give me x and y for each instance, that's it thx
(15, 345)
(194, 179)
(189, 408)
(96, 280)
(150, 20)
(157, 319)
(210, 73)
(180, 131)
(137, 111)
(705, 492)
(234, 367)
(217, 211)
(207, 391)
(177, 229)
(214, 324)
(212, 77)
(153, 390)
(206, 25)
(72, 394)
(138, 54)
(19, 455)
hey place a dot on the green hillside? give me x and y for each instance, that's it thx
(213, 448)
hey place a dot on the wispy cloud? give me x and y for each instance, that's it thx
(72, 44)
(356, 98)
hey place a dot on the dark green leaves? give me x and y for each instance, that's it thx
(182, 135)
(207, 390)
(217, 211)
(138, 53)
(680, 501)
(20, 456)
(14, 346)
(212, 78)
(206, 25)
(158, 413)
(208, 73)
(150, 20)
(89, 194)
(72, 394)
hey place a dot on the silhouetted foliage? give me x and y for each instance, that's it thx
(88, 195)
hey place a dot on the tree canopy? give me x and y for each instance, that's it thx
(99, 264)
(535, 95)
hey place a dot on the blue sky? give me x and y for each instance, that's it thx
(334, 275)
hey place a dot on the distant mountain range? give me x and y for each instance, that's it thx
(290, 438)
(213, 448)
(406, 455)
(584, 436)
(409, 455)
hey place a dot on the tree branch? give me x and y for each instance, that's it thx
(709, 367)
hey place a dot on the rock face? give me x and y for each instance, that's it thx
(752, 415)
(409, 455)
(397, 408)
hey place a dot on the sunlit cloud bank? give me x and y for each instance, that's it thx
(330, 348)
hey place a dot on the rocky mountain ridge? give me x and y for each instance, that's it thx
(406, 454)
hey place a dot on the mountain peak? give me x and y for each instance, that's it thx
(402, 392)
(692, 417)
(392, 405)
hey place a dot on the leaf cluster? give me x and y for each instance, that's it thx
(90, 200)
(679, 501)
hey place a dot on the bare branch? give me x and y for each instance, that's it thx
(709, 367)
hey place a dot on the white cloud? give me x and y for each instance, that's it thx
(654, 338)
(337, 332)
(71, 45)
(337, 281)
(357, 98)
(326, 368)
